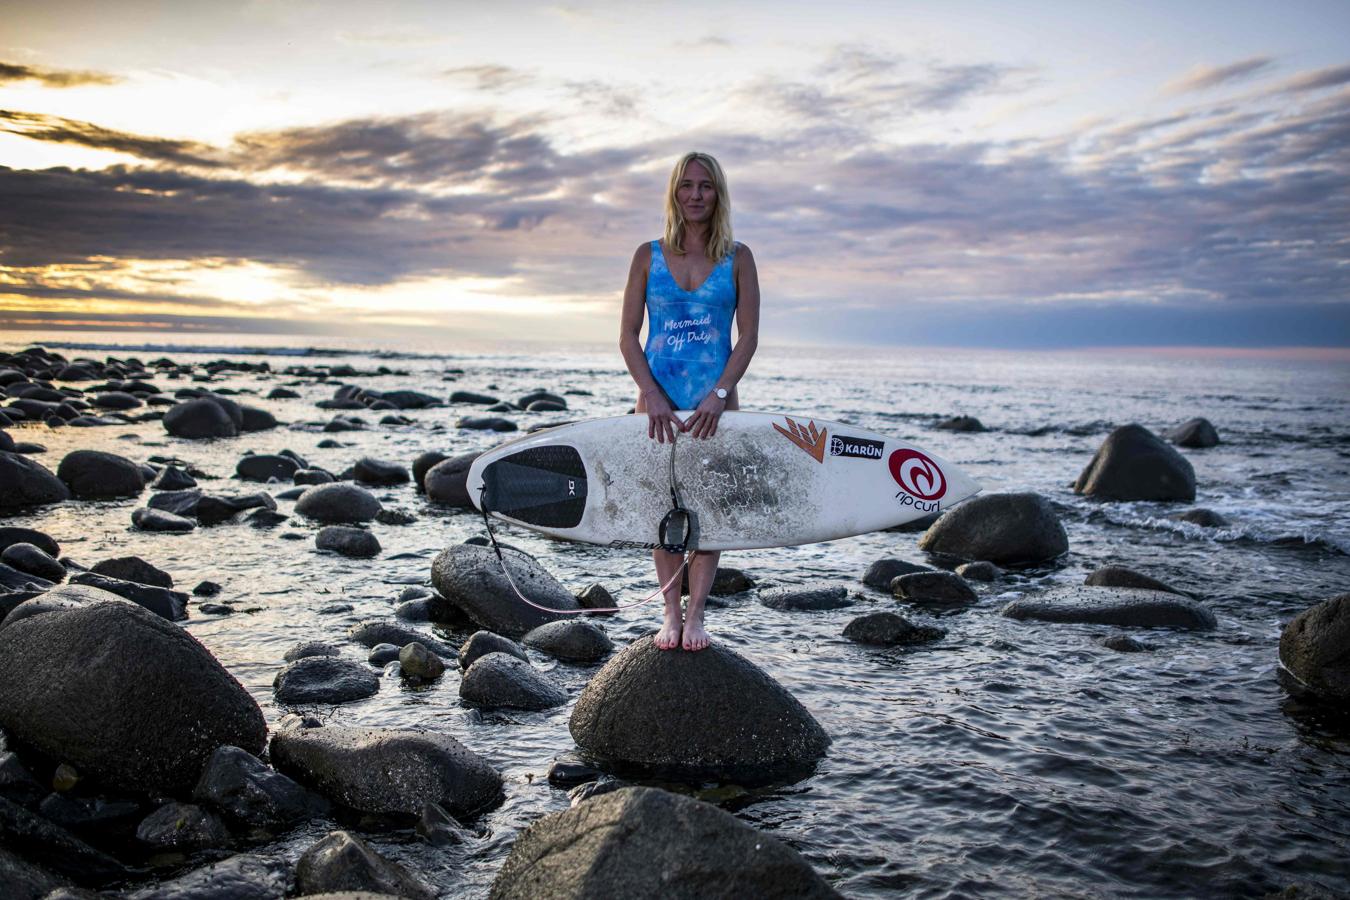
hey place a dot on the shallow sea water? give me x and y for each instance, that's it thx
(1008, 759)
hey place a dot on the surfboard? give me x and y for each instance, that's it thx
(764, 480)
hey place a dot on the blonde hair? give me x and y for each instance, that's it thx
(720, 242)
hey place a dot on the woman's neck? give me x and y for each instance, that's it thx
(696, 237)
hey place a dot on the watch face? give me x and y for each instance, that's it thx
(721, 393)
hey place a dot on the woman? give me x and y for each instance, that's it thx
(690, 284)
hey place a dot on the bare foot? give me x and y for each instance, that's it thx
(668, 638)
(695, 637)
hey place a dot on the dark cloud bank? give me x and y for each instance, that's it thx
(1217, 225)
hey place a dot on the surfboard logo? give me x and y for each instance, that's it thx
(917, 474)
(808, 437)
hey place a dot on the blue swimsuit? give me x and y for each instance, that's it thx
(688, 332)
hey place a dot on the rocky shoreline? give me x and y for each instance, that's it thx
(132, 761)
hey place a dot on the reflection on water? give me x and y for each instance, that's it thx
(1009, 758)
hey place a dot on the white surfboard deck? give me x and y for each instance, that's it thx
(764, 480)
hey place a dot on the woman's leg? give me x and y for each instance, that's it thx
(667, 569)
(701, 572)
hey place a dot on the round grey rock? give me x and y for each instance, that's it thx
(28, 483)
(150, 519)
(481, 643)
(637, 714)
(310, 648)
(1197, 433)
(881, 573)
(1122, 607)
(388, 771)
(383, 654)
(447, 481)
(470, 577)
(645, 842)
(338, 503)
(324, 679)
(979, 571)
(374, 632)
(1135, 464)
(936, 589)
(266, 466)
(182, 826)
(30, 559)
(201, 418)
(423, 464)
(886, 629)
(133, 568)
(369, 470)
(96, 475)
(500, 680)
(416, 661)
(1315, 650)
(570, 640)
(1121, 577)
(806, 599)
(1000, 528)
(348, 541)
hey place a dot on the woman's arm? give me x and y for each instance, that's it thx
(662, 423)
(703, 423)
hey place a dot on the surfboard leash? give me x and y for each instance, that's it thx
(678, 517)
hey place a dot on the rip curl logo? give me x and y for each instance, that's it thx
(918, 475)
(807, 436)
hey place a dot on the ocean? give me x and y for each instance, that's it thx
(1008, 759)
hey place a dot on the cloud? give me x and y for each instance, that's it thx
(490, 77)
(42, 127)
(1332, 76)
(57, 78)
(1202, 78)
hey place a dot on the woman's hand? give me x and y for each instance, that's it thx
(703, 423)
(662, 423)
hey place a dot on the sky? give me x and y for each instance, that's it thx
(986, 174)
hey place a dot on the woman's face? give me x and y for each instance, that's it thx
(695, 194)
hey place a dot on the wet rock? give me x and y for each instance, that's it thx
(388, 771)
(250, 794)
(1121, 577)
(212, 509)
(184, 827)
(201, 418)
(265, 518)
(570, 640)
(28, 483)
(486, 423)
(545, 406)
(133, 568)
(341, 861)
(11, 580)
(170, 604)
(16, 782)
(961, 423)
(1195, 433)
(395, 517)
(595, 596)
(172, 478)
(383, 654)
(638, 714)
(50, 847)
(806, 600)
(121, 694)
(206, 589)
(310, 648)
(1122, 607)
(256, 419)
(726, 582)
(881, 573)
(324, 679)
(1205, 518)
(999, 528)
(942, 590)
(266, 466)
(1315, 651)
(979, 571)
(148, 519)
(645, 842)
(311, 477)
(605, 784)
(533, 397)
(568, 771)
(180, 503)
(446, 481)
(419, 610)
(886, 629)
(348, 541)
(416, 661)
(30, 559)
(1134, 464)
(14, 534)
(282, 393)
(500, 680)
(470, 577)
(423, 464)
(344, 423)
(95, 475)
(438, 828)
(369, 470)
(244, 877)
(91, 815)
(338, 504)
(405, 399)
(481, 643)
(25, 881)
(1123, 643)
(471, 397)
(117, 400)
(370, 633)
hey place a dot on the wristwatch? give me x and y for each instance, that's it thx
(721, 393)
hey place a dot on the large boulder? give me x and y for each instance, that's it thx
(638, 715)
(201, 418)
(24, 482)
(1007, 529)
(1197, 433)
(1125, 607)
(338, 503)
(387, 771)
(1133, 463)
(1315, 651)
(646, 842)
(121, 694)
(95, 475)
(447, 481)
(470, 577)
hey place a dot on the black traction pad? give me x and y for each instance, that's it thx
(541, 486)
